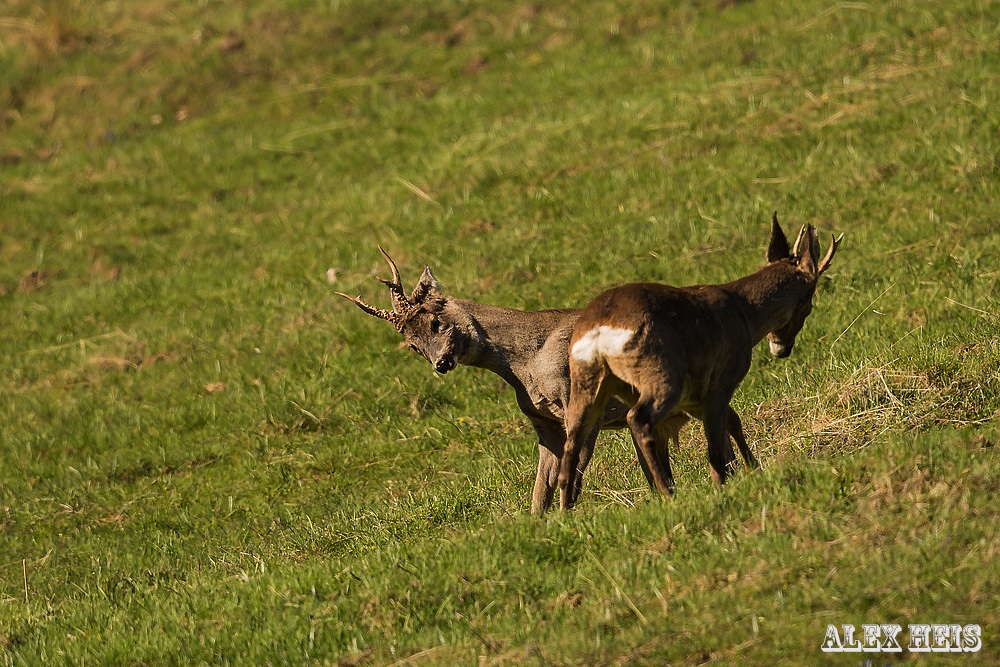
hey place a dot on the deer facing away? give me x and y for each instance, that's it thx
(667, 351)
(528, 349)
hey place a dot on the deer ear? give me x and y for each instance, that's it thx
(778, 248)
(810, 251)
(427, 288)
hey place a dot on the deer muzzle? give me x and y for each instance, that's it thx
(445, 364)
(778, 349)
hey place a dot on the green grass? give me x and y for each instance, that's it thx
(177, 178)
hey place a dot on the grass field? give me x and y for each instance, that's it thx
(208, 457)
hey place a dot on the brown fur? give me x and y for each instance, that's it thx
(688, 351)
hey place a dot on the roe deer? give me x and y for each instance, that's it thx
(667, 351)
(528, 349)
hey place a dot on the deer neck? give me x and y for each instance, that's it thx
(768, 297)
(507, 341)
(487, 332)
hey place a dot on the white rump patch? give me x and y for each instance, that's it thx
(601, 341)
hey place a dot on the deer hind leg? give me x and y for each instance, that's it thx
(720, 451)
(586, 451)
(587, 399)
(736, 430)
(645, 419)
(642, 463)
(667, 432)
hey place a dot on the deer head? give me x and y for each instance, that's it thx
(803, 257)
(423, 319)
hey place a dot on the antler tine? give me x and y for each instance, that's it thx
(380, 313)
(834, 243)
(399, 301)
(392, 265)
(798, 241)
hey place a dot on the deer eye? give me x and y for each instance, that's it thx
(414, 348)
(435, 325)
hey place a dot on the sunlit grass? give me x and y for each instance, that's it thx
(207, 456)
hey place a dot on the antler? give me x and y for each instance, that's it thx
(400, 303)
(401, 306)
(390, 316)
(825, 263)
(798, 241)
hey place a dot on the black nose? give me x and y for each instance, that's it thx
(443, 365)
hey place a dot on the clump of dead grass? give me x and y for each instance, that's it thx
(875, 399)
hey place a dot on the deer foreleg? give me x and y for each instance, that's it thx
(720, 451)
(551, 443)
(736, 430)
(545, 480)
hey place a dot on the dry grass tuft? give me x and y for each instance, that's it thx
(848, 414)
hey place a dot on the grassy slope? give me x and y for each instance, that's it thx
(178, 179)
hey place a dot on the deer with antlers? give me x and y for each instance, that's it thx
(528, 349)
(667, 351)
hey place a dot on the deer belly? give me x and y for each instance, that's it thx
(601, 341)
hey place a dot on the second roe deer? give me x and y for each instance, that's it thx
(667, 351)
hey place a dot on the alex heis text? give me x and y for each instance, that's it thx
(886, 638)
